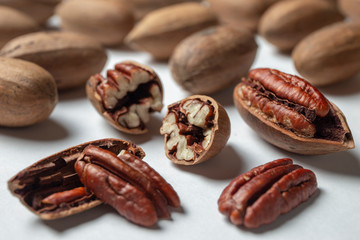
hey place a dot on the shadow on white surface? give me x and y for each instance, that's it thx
(226, 165)
(72, 94)
(49, 130)
(344, 88)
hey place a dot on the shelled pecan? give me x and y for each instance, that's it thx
(290, 113)
(127, 96)
(195, 129)
(260, 195)
(127, 183)
(51, 187)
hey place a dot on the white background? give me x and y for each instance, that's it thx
(332, 213)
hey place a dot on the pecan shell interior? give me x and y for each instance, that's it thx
(51, 187)
(195, 129)
(259, 196)
(127, 96)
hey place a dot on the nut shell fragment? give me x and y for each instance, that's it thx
(51, 188)
(195, 129)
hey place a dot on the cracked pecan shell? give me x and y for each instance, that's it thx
(260, 195)
(51, 188)
(291, 114)
(127, 96)
(126, 183)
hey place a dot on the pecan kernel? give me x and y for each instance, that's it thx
(128, 184)
(262, 194)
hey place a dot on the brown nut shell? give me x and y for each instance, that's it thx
(284, 24)
(161, 30)
(107, 21)
(70, 57)
(329, 55)
(28, 93)
(37, 185)
(350, 8)
(40, 10)
(277, 119)
(212, 59)
(195, 129)
(146, 91)
(14, 23)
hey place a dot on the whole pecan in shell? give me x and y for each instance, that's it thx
(260, 195)
(126, 183)
(291, 114)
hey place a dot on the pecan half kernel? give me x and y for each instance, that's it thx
(126, 183)
(290, 113)
(195, 128)
(127, 96)
(259, 196)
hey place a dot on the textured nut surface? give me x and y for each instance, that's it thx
(285, 23)
(291, 114)
(70, 57)
(40, 10)
(350, 8)
(195, 129)
(14, 23)
(127, 96)
(161, 30)
(212, 59)
(329, 55)
(105, 21)
(127, 183)
(51, 187)
(260, 195)
(28, 93)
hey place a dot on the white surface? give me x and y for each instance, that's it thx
(333, 213)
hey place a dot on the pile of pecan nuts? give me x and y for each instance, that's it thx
(207, 52)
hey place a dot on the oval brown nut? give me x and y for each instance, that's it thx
(40, 10)
(70, 57)
(127, 183)
(285, 23)
(350, 8)
(291, 114)
(127, 96)
(262, 194)
(28, 93)
(51, 188)
(143, 7)
(161, 30)
(195, 129)
(105, 21)
(14, 23)
(329, 55)
(212, 59)
(244, 13)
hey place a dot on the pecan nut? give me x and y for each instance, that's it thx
(51, 187)
(127, 96)
(291, 114)
(195, 129)
(126, 183)
(260, 195)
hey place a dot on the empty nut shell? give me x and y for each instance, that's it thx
(212, 59)
(260, 195)
(291, 114)
(51, 187)
(127, 96)
(195, 129)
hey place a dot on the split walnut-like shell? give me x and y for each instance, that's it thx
(195, 129)
(127, 96)
(291, 114)
(51, 187)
